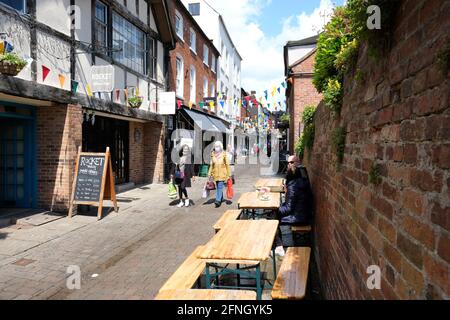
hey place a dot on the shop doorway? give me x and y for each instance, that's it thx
(113, 133)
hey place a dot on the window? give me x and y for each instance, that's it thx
(213, 63)
(192, 84)
(132, 42)
(153, 57)
(194, 9)
(193, 40)
(205, 87)
(180, 77)
(213, 90)
(205, 54)
(101, 27)
(19, 5)
(179, 24)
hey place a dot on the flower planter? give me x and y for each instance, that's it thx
(9, 68)
(135, 103)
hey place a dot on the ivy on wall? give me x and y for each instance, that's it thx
(306, 141)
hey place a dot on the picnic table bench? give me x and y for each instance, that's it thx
(229, 215)
(292, 277)
(205, 294)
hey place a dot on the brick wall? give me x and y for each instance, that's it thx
(398, 118)
(154, 152)
(59, 133)
(137, 157)
(303, 94)
(190, 58)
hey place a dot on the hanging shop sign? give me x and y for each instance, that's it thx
(167, 103)
(102, 78)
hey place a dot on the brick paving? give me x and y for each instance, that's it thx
(133, 252)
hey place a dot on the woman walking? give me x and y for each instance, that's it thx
(182, 173)
(219, 170)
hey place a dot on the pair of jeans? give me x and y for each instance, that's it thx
(219, 191)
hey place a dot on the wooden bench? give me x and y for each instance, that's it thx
(229, 215)
(187, 273)
(205, 294)
(293, 275)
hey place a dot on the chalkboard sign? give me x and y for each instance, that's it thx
(94, 181)
(89, 178)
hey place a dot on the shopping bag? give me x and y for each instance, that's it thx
(230, 192)
(205, 193)
(172, 191)
(210, 185)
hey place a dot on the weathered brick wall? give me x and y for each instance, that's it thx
(154, 152)
(58, 135)
(398, 118)
(137, 157)
(304, 94)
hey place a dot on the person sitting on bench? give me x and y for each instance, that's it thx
(297, 209)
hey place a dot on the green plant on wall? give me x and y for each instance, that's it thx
(332, 96)
(13, 58)
(347, 57)
(444, 60)
(285, 118)
(306, 141)
(338, 143)
(375, 175)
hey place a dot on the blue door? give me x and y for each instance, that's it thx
(16, 178)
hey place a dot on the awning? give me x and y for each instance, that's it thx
(202, 121)
(220, 125)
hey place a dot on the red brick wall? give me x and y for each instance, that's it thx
(154, 152)
(190, 58)
(303, 94)
(137, 157)
(59, 133)
(398, 118)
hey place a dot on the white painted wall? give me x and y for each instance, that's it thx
(296, 53)
(54, 13)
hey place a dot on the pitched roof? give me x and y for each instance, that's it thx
(163, 23)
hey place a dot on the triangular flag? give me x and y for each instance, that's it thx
(117, 94)
(279, 90)
(266, 93)
(284, 84)
(89, 91)
(137, 92)
(211, 105)
(125, 91)
(240, 103)
(222, 103)
(8, 47)
(290, 80)
(45, 72)
(74, 86)
(2, 47)
(62, 79)
(179, 103)
(202, 104)
(219, 96)
(190, 104)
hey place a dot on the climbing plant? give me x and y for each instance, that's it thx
(338, 142)
(375, 175)
(306, 141)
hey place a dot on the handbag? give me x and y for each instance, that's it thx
(205, 193)
(172, 191)
(179, 176)
(210, 185)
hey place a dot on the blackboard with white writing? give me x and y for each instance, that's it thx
(89, 178)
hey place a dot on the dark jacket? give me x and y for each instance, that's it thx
(297, 210)
(188, 174)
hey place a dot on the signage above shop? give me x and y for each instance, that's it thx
(102, 78)
(167, 103)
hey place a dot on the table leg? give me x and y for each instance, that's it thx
(208, 277)
(258, 283)
(274, 265)
(238, 277)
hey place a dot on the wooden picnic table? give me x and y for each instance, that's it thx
(240, 242)
(250, 201)
(205, 294)
(274, 184)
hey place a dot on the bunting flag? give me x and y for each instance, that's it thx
(219, 97)
(202, 104)
(137, 91)
(88, 90)
(2, 47)
(190, 104)
(266, 93)
(74, 86)
(45, 72)
(62, 79)
(290, 80)
(240, 103)
(279, 90)
(179, 103)
(211, 105)
(117, 94)
(284, 84)
(222, 103)
(125, 91)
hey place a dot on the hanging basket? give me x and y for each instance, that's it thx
(9, 68)
(135, 103)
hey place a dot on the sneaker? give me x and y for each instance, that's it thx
(218, 204)
(187, 203)
(279, 251)
(181, 204)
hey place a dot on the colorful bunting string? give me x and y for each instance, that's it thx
(45, 72)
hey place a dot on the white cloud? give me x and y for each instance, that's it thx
(263, 62)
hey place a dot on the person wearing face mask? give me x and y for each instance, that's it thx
(182, 173)
(297, 209)
(219, 170)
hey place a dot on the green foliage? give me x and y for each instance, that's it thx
(13, 58)
(299, 147)
(444, 59)
(347, 57)
(308, 115)
(135, 102)
(375, 175)
(360, 76)
(306, 141)
(333, 95)
(285, 118)
(338, 142)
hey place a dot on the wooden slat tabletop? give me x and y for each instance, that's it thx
(229, 215)
(241, 240)
(250, 200)
(205, 294)
(275, 184)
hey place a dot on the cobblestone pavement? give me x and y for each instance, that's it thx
(133, 252)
